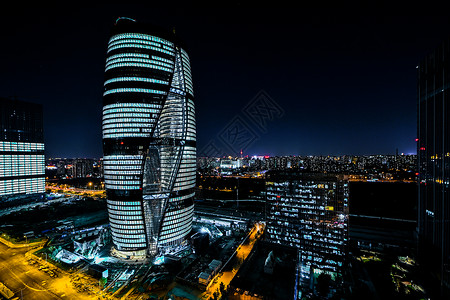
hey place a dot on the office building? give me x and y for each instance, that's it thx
(433, 151)
(22, 163)
(149, 139)
(82, 167)
(309, 212)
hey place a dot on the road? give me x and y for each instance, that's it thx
(242, 252)
(28, 282)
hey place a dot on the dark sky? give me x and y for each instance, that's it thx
(335, 85)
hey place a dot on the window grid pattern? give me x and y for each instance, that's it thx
(22, 168)
(309, 214)
(122, 172)
(123, 119)
(140, 71)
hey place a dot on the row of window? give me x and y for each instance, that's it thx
(124, 207)
(184, 187)
(119, 185)
(123, 165)
(191, 137)
(124, 217)
(21, 165)
(137, 64)
(142, 55)
(169, 61)
(121, 172)
(130, 229)
(7, 171)
(182, 179)
(139, 41)
(145, 132)
(127, 60)
(127, 223)
(130, 240)
(22, 158)
(118, 168)
(128, 120)
(139, 46)
(184, 54)
(152, 44)
(114, 176)
(176, 216)
(181, 198)
(133, 212)
(176, 228)
(136, 229)
(128, 125)
(126, 135)
(186, 177)
(185, 169)
(136, 79)
(127, 129)
(177, 235)
(113, 117)
(128, 158)
(127, 235)
(177, 223)
(186, 65)
(112, 202)
(140, 36)
(133, 90)
(188, 164)
(19, 186)
(131, 104)
(20, 146)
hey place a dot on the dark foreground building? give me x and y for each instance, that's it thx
(148, 139)
(433, 149)
(22, 162)
(309, 212)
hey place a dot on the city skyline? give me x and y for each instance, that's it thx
(343, 86)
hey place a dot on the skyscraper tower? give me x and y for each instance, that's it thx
(149, 139)
(22, 161)
(433, 151)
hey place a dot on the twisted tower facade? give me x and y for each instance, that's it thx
(149, 139)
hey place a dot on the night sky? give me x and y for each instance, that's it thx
(331, 86)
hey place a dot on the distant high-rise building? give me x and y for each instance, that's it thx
(149, 139)
(61, 168)
(309, 211)
(82, 167)
(22, 162)
(433, 151)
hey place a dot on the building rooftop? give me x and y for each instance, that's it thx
(251, 278)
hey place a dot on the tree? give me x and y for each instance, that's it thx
(222, 288)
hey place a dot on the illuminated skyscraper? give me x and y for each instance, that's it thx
(433, 152)
(149, 139)
(22, 162)
(309, 212)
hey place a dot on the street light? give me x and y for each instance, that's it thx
(26, 241)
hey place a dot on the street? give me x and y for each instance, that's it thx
(241, 253)
(28, 282)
